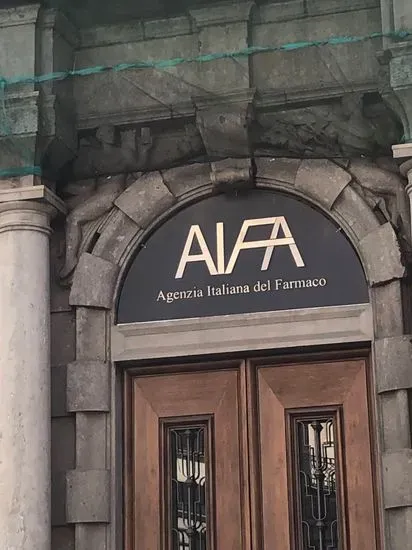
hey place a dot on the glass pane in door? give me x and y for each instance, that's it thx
(188, 480)
(317, 482)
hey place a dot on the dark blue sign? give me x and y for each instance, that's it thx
(258, 251)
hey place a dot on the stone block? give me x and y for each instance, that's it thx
(294, 73)
(355, 213)
(106, 35)
(91, 331)
(17, 37)
(91, 441)
(91, 537)
(387, 302)
(58, 391)
(172, 26)
(185, 179)
(62, 538)
(395, 421)
(402, 15)
(322, 180)
(88, 386)
(145, 199)
(63, 444)
(381, 255)
(115, 237)
(63, 338)
(93, 282)
(398, 533)
(317, 7)
(88, 496)
(58, 499)
(221, 14)
(393, 360)
(279, 169)
(397, 478)
(274, 12)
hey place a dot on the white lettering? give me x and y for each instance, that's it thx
(278, 223)
(205, 255)
(160, 296)
(281, 284)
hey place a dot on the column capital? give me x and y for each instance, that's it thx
(404, 152)
(40, 195)
(29, 208)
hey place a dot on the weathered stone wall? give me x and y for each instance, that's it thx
(87, 500)
(142, 95)
(46, 120)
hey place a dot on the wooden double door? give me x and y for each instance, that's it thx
(249, 455)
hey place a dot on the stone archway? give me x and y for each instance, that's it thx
(366, 203)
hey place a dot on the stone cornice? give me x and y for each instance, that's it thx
(186, 109)
(233, 97)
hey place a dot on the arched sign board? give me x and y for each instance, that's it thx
(255, 252)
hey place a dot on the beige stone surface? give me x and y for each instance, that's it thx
(24, 379)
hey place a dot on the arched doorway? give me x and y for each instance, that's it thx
(258, 448)
(106, 350)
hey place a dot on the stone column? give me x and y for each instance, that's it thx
(25, 368)
(404, 151)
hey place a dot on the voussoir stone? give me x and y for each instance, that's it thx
(145, 199)
(116, 237)
(93, 282)
(279, 169)
(381, 254)
(184, 179)
(322, 180)
(357, 215)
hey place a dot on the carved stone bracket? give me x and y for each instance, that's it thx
(225, 122)
(233, 175)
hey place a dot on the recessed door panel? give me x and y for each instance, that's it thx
(186, 454)
(315, 456)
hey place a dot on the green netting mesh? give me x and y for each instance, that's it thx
(21, 153)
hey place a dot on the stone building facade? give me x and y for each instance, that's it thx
(94, 163)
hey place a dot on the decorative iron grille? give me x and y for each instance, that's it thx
(316, 458)
(188, 482)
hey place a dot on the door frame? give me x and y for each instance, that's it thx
(248, 379)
